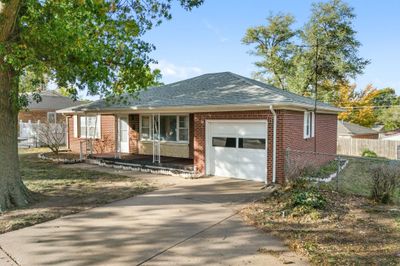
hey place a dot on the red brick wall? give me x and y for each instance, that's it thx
(291, 126)
(366, 136)
(134, 133)
(326, 132)
(289, 134)
(191, 136)
(35, 116)
(106, 144)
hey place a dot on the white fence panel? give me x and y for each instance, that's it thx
(29, 133)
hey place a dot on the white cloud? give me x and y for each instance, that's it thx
(215, 30)
(173, 72)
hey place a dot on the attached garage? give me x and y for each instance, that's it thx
(237, 148)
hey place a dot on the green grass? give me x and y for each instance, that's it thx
(58, 190)
(355, 178)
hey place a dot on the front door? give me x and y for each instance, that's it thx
(123, 135)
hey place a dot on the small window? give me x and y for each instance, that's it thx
(51, 117)
(183, 128)
(309, 124)
(224, 142)
(250, 143)
(146, 128)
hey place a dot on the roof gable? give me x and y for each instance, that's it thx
(51, 100)
(346, 128)
(215, 89)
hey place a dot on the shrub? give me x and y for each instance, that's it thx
(52, 135)
(369, 153)
(310, 197)
(385, 181)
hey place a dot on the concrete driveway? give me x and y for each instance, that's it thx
(192, 223)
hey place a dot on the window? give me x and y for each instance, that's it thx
(173, 128)
(51, 117)
(183, 128)
(146, 128)
(224, 142)
(89, 127)
(249, 143)
(309, 123)
(168, 128)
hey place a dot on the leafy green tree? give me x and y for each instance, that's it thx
(326, 45)
(390, 118)
(95, 45)
(386, 97)
(274, 44)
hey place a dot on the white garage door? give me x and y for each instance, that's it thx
(237, 149)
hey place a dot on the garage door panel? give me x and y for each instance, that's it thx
(238, 149)
(251, 172)
(242, 129)
(250, 157)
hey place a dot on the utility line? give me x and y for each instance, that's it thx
(370, 106)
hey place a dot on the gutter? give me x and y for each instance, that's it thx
(271, 108)
(199, 108)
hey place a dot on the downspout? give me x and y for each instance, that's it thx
(274, 144)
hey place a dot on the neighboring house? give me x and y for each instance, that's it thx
(391, 135)
(45, 110)
(227, 124)
(350, 130)
(379, 128)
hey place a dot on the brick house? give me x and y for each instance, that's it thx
(45, 110)
(226, 124)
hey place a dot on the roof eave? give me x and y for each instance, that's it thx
(204, 108)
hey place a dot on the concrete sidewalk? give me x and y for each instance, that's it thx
(194, 223)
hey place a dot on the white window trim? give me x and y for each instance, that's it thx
(75, 119)
(98, 127)
(178, 128)
(309, 125)
(312, 124)
(164, 141)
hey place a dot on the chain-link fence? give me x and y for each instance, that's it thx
(361, 176)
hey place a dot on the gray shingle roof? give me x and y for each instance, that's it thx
(213, 89)
(52, 100)
(349, 129)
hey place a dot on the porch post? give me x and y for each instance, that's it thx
(155, 129)
(117, 148)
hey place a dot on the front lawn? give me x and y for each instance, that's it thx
(59, 191)
(349, 230)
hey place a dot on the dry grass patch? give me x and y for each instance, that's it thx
(348, 231)
(60, 191)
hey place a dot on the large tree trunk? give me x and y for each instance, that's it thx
(13, 192)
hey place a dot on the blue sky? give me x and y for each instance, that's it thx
(208, 39)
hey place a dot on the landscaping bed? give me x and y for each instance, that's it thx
(348, 230)
(59, 191)
(66, 157)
